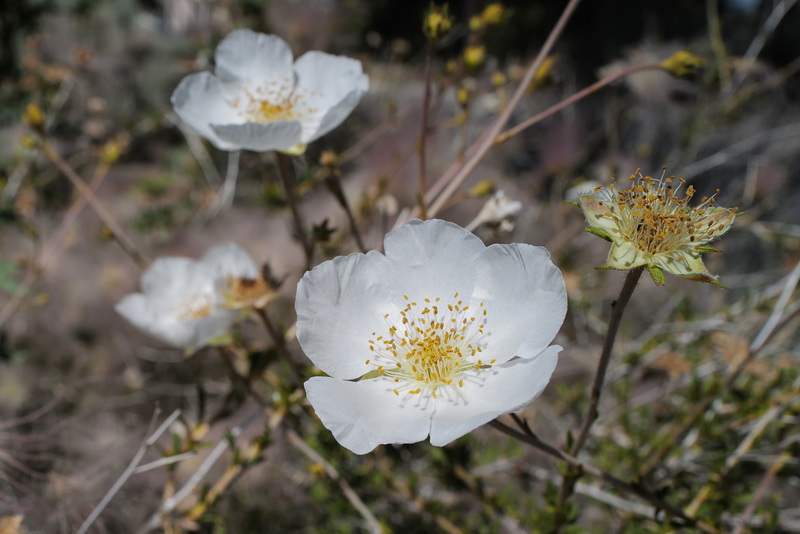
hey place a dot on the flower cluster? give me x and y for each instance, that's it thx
(443, 333)
(189, 304)
(260, 100)
(650, 225)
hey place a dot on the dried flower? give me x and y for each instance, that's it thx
(258, 100)
(648, 224)
(444, 333)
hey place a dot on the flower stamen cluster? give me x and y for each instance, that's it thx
(274, 101)
(431, 348)
(651, 223)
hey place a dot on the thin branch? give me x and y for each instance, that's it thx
(283, 163)
(531, 439)
(424, 130)
(197, 477)
(122, 238)
(572, 99)
(761, 491)
(51, 247)
(618, 308)
(496, 128)
(675, 435)
(298, 443)
(131, 469)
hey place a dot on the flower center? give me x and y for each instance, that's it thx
(434, 346)
(650, 215)
(246, 292)
(194, 307)
(275, 100)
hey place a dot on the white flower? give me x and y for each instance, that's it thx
(432, 329)
(185, 303)
(258, 100)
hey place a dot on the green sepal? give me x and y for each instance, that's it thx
(599, 232)
(572, 203)
(657, 274)
(606, 268)
(705, 248)
(371, 374)
(705, 278)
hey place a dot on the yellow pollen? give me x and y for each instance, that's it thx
(430, 348)
(652, 215)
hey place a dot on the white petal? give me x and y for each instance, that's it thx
(431, 259)
(169, 276)
(525, 299)
(229, 259)
(327, 79)
(331, 87)
(259, 137)
(160, 319)
(200, 100)
(245, 55)
(315, 127)
(339, 304)
(365, 414)
(506, 388)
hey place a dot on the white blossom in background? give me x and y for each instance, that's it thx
(189, 303)
(259, 100)
(499, 210)
(444, 333)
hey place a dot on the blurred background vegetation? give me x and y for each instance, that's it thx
(102, 72)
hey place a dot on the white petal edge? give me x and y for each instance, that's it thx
(525, 297)
(259, 137)
(362, 415)
(506, 388)
(339, 304)
(432, 259)
(245, 55)
(200, 100)
(229, 259)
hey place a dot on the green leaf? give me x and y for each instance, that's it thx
(705, 248)
(572, 203)
(657, 274)
(599, 232)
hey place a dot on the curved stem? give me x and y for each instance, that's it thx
(617, 310)
(284, 171)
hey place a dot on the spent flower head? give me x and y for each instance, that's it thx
(650, 223)
(260, 100)
(443, 334)
(190, 303)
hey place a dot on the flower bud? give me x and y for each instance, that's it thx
(474, 56)
(437, 23)
(682, 63)
(493, 14)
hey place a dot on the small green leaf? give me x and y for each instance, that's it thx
(572, 203)
(657, 274)
(705, 248)
(599, 232)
